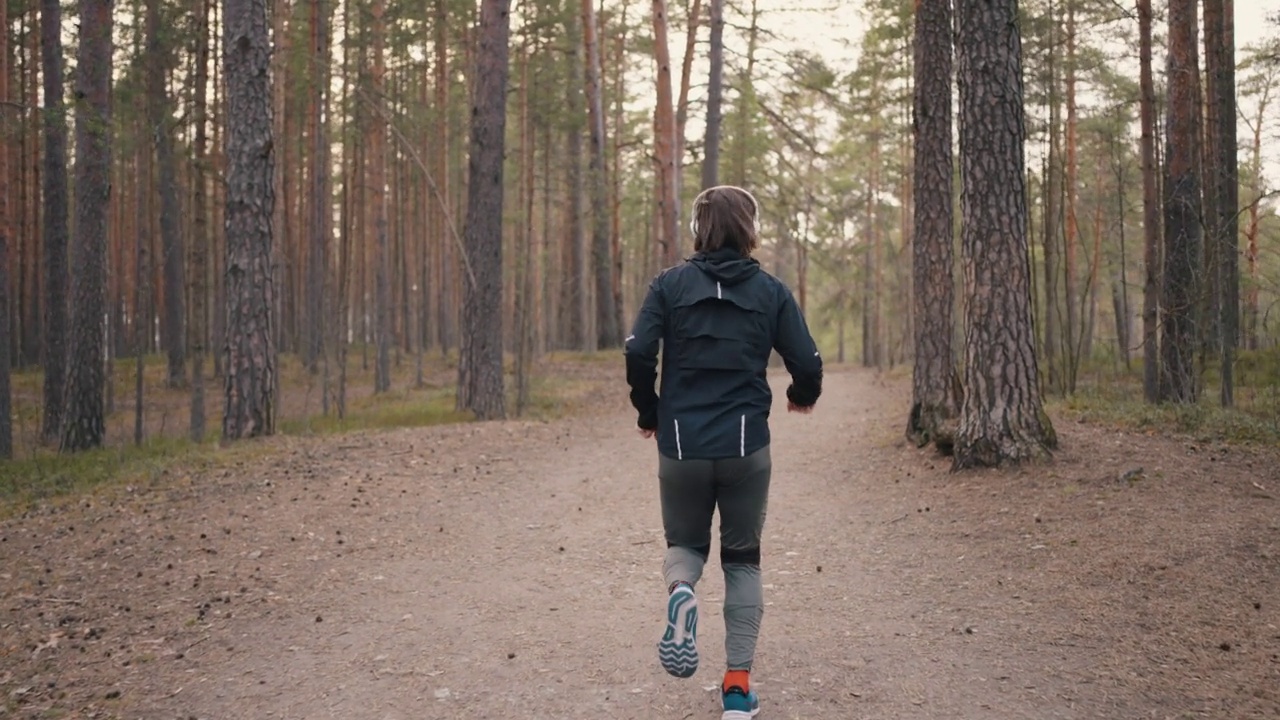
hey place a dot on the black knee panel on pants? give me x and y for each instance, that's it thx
(746, 556)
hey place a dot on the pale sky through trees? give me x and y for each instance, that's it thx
(834, 29)
(825, 30)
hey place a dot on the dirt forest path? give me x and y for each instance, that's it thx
(512, 570)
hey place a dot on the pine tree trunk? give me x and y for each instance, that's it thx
(480, 379)
(1182, 233)
(218, 230)
(608, 331)
(142, 328)
(1251, 303)
(317, 251)
(1085, 342)
(715, 85)
(1209, 134)
(84, 426)
(682, 96)
(251, 362)
(552, 330)
(1220, 46)
(1052, 217)
(429, 238)
(524, 323)
(160, 120)
(1150, 212)
(24, 222)
(280, 221)
(446, 262)
(875, 268)
(664, 145)
(421, 240)
(746, 105)
(868, 332)
(350, 171)
(575, 301)
(618, 120)
(1120, 288)
(1002, 419)
(55, 228)
(1071, 332)
(200, 225)
(378, 201)
(935, 400)
(6, 334)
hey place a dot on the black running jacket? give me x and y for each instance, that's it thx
(717, 316)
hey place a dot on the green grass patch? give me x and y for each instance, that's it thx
(398, 408)
(46, 475)
(1118, 402)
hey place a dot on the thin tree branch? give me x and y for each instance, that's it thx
(435, 190)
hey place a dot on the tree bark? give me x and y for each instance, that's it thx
(24, 227)
(668, 209)
(1150, 213)
(1182, 206)
(1071, 241)
(1120, 289)
(1089, 299)
(6, 334)
(608, 331)
(84, 425)
(159, 117)
(378, 200)
(250, 408)
(615, 221)
(218, 243)
(1002, 419)
(281, 220)
(1221, 46)
(1210, 133)
(682, 97)
(446, 264)
(1251, 304)
(524, 316)
(575, 303)
(55, 228)
(200, 224)
(746, 103)
(480, 379)
(1052, 217)
(874, 262)
(715, 85)
(142, 328)
(315, 319)
(935, 388)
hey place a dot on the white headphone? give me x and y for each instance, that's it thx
(693, 215)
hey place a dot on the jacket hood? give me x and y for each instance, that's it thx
(726, 265)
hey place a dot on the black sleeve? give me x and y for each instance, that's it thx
(641, 352)
(799, 353)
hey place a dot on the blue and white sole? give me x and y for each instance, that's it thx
(678, 651)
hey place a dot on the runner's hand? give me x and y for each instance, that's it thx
(646, 434)
(803, 409)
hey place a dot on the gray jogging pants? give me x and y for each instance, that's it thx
(691, 490)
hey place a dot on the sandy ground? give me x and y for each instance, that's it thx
(512, 570)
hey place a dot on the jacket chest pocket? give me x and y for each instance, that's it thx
(719, 335)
